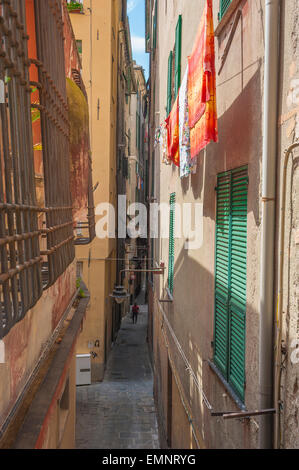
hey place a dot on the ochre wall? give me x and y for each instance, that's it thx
(98, 30)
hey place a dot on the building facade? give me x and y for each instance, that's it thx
(96, 29)
(41, 310)
(213, 329)
(137, 176)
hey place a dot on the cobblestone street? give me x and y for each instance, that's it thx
(119, 413)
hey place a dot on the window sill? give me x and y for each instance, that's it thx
(77, 12)
(227, 386)
(225, 19)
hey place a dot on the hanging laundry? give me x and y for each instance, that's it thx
(163, 144)
(172, 124)
(157, 136)
(202, 85)
(187, 165)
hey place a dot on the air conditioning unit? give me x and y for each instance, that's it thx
(83, 369)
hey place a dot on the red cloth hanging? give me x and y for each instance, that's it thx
(202, 85)
(173, 141)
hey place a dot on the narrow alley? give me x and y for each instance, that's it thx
(149, 157)
(119, 413)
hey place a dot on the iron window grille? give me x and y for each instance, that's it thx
(20, 257)
(55, 139)
(36, 239)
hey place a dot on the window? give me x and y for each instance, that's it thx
(137, 131)
(174, 67)
(79, 46)
(171, 243)
(169, 83)
(224, 4)
(230, 277)
(155, 26)
(178, 53)
(75, 6)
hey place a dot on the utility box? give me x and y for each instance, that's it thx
(83, 369)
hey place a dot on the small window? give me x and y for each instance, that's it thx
(178, 54)
(79, 46)
(224, 4)
(75, 6)
(171, 242)
(169, 83)
(79, 269)
(174, 67)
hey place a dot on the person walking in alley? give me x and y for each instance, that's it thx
(135, 311)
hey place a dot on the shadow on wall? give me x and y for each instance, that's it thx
(192, 318)
(240, 143)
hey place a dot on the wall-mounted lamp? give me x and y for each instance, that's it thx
(119, 294)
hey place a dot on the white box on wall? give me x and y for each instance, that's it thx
(83, 369)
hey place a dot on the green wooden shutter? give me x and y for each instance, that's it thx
(155, 26)
(171, 243)
(224, 4)
(169, 83)
(222, 273)
(230, 277)
(178, 54)
(238, 275)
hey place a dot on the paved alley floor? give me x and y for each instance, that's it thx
(119, 413)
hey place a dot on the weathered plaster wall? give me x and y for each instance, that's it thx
(27, 339)
(288, 132)
(59, 429)
(239, 104)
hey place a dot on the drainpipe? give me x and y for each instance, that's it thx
(272, 8)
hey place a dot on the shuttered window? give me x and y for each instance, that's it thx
(171, 242)
(224, 4)
(169, 83)
(230, 277)
(178, 54)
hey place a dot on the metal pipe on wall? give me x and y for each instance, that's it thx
(272, 10)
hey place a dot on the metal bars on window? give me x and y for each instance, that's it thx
(55, 138)
(20, 258)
